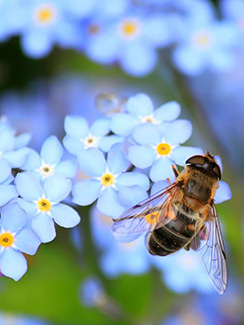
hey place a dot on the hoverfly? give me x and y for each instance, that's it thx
(182, 215)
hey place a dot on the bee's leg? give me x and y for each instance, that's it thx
(175, 171)
(187, 247)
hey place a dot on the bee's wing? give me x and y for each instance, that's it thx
(145, 215)
(212, 251)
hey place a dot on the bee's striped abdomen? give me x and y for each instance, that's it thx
(172, 236)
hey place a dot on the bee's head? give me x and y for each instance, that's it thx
(206, 163)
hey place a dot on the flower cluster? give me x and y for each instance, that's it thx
(114, 161)
(129, 33)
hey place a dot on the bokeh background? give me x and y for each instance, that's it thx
(55, 58)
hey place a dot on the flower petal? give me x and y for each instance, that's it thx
(133, 178)
(92, 162)
(223, 193)
(66, 168)
(131, 195)
(100, 127)
(27, 241)
(159, 186)
(33, 161)
(161, 169)
(106, 142)
(181, 154)
(57, 188)
(52, 150)
(140, 156)
(13, 217)
(73, 145)
(178, 132)
(108, 203)
(167, 112)
(13, 264)
(7, 193)
(86, 191)
(65, 216)
(146, 134)
(117, 161)
(28, 186)
(123, 124)
(139, 105)
(17, 158)
(76, 126)
(5, 170)
(44, 227)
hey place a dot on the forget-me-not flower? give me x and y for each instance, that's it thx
(42, 202)
(16, 237)
(79, 136)
(205, 45)
(116, 257)
(50, 161)
(140, 110)
(107, 177)
(159, 149)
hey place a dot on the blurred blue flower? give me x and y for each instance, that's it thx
(47, 24)
(234, 11)
(131, 39)
(50, 161)
(209, 309)
(42, 203)
(80, 137)
(160, 148)
(12, 148)
(139, 111)
(205, 45)
(11, 26)
(92, 292)
(15, 319)
(183, 272)
(16, 236)
(117, 258)
(106, 179)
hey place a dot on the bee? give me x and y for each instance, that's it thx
(182, 215)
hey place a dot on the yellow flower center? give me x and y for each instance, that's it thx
(163, 149)
(107, 179)
(44, 205)
(6, 239)
(202, 39)
(152, 217)
(45, 14)
(129, 28)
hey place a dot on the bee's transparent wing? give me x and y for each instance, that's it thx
(144, 216)
(212, 251)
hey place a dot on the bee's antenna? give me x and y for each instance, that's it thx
(208, 153)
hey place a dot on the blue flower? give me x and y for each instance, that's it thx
(16, 236)
(139, 111)
(7, 190)
(81, 137)
(183, 271)
(205, 45)
(131, 39)
(47, 24)
(234, 12)
(50, 161)
(117, 258)
(92, 292)
(43, 203)
(106, 179)
(161, 148)
(12, 148)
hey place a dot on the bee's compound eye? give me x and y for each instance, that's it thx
(196, 160)
(217, 171)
